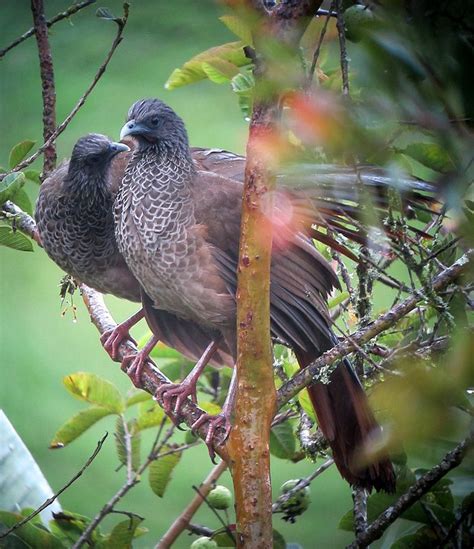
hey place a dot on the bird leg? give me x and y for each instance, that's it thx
(188, 386)
(220, 420)
(134, 364)
(112, 339)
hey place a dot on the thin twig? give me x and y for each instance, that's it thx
(59, 130)
(451, 460)
(49, 23)
(341, 31)
(312, 69)
(47, 83)
(128, 447)
(324, 365)
(182, 521)
(50, 500)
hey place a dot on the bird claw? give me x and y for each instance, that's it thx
(216, 421)
(133, 366)
(112, 339)
(179, 390)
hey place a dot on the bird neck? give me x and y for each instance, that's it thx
(165, 151)
(88, 188)
(172, 164)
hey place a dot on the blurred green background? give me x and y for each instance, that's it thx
(38, 346)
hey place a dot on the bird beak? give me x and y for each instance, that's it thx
(132, 128)
(116, 148)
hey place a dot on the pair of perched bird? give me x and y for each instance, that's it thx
(160, 224)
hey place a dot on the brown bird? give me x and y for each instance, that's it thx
(75, 222)
(178, 230)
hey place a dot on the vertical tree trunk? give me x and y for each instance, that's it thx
(255, 405)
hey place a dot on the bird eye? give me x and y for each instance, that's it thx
(154, 121)
(94, 158)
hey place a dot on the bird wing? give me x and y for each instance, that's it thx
(301, 279)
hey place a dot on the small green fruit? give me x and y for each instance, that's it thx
(203, 543)
(357, 19)
(220, 497)
(298, 502)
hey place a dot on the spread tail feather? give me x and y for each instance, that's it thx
(348, 424)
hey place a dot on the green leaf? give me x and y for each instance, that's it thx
(78, 424)
(423, 538)
(338, 299)
(193, 71)
(94, 389)
(243, 85)
(305, 401)
(222, 537)
(19, 151)
(14, 542)
(210, 407)
(69, 526)
(121, 446)
(123, 533)
(136, 397)
(160, 472)
(282, 441)
(10, 185)
(238, 26)
(33, 175)
(36, 520)
(220, 71)
(430, 155)
(150, 415)
(28, 533)
(22, 200)
(14, 239)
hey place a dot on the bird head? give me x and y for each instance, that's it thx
(153, 122)
(95, 151)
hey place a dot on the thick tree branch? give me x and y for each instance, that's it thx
(47, 83)
(323, 364)
(422, 486)
(121, 23)
(49, 23)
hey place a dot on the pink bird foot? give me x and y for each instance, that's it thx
(112, 339)
(133, 364)
(187, 387)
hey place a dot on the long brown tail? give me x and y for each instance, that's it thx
(347, 422)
